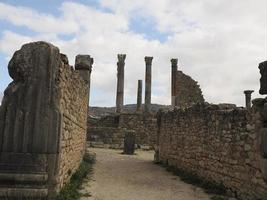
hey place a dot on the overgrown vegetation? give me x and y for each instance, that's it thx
(70, 191)
(218, 190)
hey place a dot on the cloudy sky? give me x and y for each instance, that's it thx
(218, 42)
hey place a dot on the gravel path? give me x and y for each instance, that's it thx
(123, 177)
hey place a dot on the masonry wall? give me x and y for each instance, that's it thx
(188, 91)
(144, 125)
(221, 145)
(109, 129)
(74, 106)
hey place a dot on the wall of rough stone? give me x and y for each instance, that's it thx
(144, 125)
(188, 91)
(217, 144)
(74, 106)
(108, 129)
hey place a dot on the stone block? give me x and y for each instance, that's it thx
(264, 168)
(129, 143)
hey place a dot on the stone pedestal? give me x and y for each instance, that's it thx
(129, 142)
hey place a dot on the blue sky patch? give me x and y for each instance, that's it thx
(147, 27)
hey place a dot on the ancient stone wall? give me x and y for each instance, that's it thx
(42, 121)
(73, 105)
(217, 144)
(144, 125)
(109, 129)
(187, 91)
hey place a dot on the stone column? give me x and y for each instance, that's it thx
(139, 96)
(148, 61)
(84, 63)
(174, 63)
(120, 82)
(248, 98)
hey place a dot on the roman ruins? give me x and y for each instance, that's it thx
(44, 124)
(43, 119)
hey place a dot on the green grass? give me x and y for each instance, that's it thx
(218, 190)
(70, 190)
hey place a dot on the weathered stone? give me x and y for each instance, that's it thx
(108, 129)
(129, 142)
(263, 79)
(174, 66)
(248, 98)
(264, 168)
(215, 144)
(258, 101)
(263, 132)
(187, 92)
(139, 96)
(43, 106)
(64, 59)
(148, 61)
(120, 82)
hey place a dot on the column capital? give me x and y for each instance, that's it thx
(121, 58)
(83, 62)
(174, 62)
(148, 60)
(248, 92)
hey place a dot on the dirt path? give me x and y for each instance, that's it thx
(122, 177)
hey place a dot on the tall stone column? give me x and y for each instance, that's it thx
(174, 63)
(139, 96)
(248, 98)
(148, 61)
(120, 82)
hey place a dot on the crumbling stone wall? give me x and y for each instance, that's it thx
(73, 105)
(188, 91)
(221, 145)
(144, 125)
(110, 129)
(42, 121)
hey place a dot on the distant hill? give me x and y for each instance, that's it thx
(130, 108)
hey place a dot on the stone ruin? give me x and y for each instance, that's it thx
(43, 119)
(108, 131)
(43, 126)
(222, 144)
(185, 90)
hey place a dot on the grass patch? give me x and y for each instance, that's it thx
(70, 190)
(210, 187)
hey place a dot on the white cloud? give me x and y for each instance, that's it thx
(217, 43)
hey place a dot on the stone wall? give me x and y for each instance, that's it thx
(217, 144)
(110, 129)
(73, 105)
(144, 125)
(43, 119)
(188, 91)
